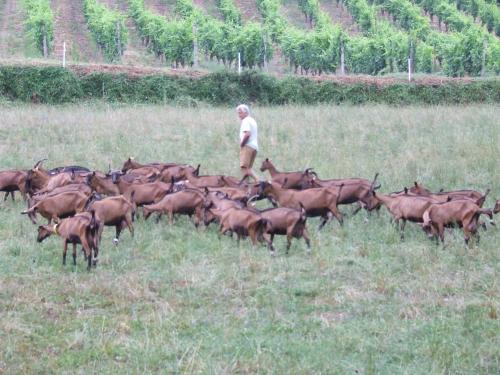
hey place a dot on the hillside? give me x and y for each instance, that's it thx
(375, 35)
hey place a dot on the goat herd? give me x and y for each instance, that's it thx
(73, 199)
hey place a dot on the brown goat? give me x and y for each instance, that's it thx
(289, 222)
(147, 193)
(58, 206)
(462, 212)
(113, 211)
(130, 163)
(316, 201)
(11, 181)
(183, 202)
(244, 223)
(80, 229)
(214, 203)
(287, 180)
(422, 190)
(405, 208)
(354, 190)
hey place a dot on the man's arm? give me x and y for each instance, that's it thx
(246, 137)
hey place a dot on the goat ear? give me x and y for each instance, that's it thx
(406, 190)
(267, 159)
(415, 183)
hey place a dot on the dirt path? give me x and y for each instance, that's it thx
(340, 15)
(11, 29)
(249, 10)
(70, 26)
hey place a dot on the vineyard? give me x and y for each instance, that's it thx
(453, 38)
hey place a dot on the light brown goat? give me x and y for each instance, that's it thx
(80, 229)
(11, 181)
(316, 201)
(58, 206)
(244, 223)
(183, 202)
(113, 211)
(287, 180)
(422, 190)
(462, 212)
(289, 222)
(143, 193)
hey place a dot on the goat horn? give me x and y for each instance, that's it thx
(374, 180)
(38, 163)
(252, 198)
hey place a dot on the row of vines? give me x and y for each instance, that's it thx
(108, 29)
(469, 49)
(177, 40)
(40, 24)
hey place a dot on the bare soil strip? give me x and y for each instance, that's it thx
(209, 7)
(70, 26)
(11, 29)
(249, 10)
(340, 15)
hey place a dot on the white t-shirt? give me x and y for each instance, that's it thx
(248, 124)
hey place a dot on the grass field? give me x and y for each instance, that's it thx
(177, 300)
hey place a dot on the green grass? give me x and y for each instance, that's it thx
(174, 300)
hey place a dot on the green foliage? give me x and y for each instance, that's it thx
(229, 11)
(107, 27)
(40, 22)
(57, 85)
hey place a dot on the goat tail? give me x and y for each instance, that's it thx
(303, 216)
(485, 211)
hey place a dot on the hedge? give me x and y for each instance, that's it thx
(56, 85)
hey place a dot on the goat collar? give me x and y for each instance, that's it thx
(55, 229)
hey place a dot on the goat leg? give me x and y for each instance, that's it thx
(403, 224)
(65, 250)
(305, 234)
(74, 253)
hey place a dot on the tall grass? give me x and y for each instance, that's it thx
(177, 300)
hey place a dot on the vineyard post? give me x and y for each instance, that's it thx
(239, 63)
(342, 58)
(264, 39)
(118, 38)
(195, 48)
(483, 62)
(64, 54)
(44, 42)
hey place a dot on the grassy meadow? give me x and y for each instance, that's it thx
(176, 300)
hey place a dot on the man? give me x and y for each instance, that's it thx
(248, 142)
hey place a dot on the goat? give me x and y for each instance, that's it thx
(244, 223)
(59, 206)
(289, 222)
(114, 211)
(144, 193)
(316, 201)
(421, 190)
(214, 203)
(405, 208)
(11, 181)
(80, 229)
(130, 163)
(178, 172)
(354, 190)
(182, 202)
(496, 209)
(462, 212)
(287, 180)
(40, 180)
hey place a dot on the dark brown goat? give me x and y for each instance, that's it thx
(114, 211)
(11, 181)
(80, 229)
(465, 213)
(316, 201)
(58, 206)
(287, 180)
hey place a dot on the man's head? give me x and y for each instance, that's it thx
(243, 111)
